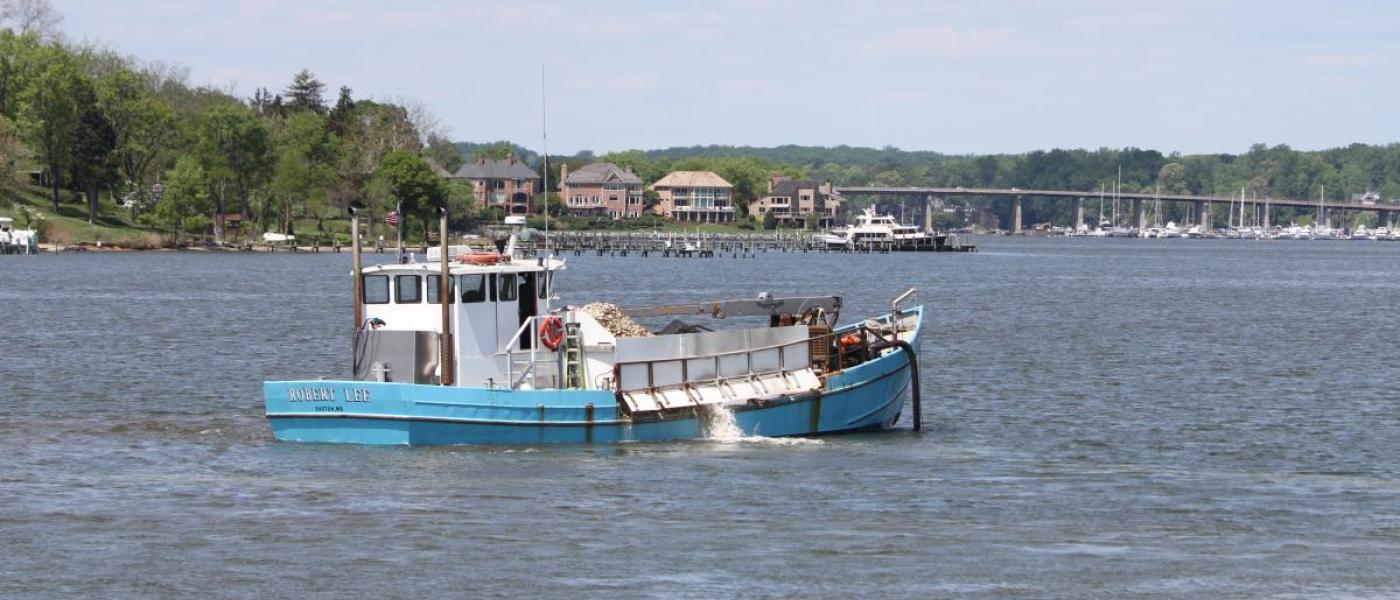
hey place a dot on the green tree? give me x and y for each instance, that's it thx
(186, 198)
(342, 115)
(94, 141)
(306, 93)
(770, 222)
(444, 152)
(234, 149)
(16, 51)
(302, 175)
(650, 200)
(1172, 178)
(11, 156)
(495, 152)
(142, 123)
(552, 204)
(412, 184)
(49, 111)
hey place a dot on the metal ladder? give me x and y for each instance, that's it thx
(574, 374)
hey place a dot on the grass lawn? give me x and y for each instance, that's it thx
(69, 225)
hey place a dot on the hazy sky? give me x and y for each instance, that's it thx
(958, 77)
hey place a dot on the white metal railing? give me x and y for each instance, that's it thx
(529, 327)
(716, 368)
(722, 364)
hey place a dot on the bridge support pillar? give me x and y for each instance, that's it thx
(1016, 215)
(1078, 212)
(1139, 218)
(1382, 218)
(1207, 220)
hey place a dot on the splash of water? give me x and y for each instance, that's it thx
(720, 426)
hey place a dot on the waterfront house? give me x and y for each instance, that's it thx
(791, 200)
(507, 183)
(601, 189)
(695, 196)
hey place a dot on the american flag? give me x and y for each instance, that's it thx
(391, 217)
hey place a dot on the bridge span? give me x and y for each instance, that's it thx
(1203, 204)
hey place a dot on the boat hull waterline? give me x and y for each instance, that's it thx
(869, 396)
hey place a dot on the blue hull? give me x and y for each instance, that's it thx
(864, 397)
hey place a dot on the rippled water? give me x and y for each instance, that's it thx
(1106, 418)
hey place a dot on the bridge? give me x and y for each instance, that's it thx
(1386, 212)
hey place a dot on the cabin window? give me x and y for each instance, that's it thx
(432, 291)
(473, 288)
(543, 284)
(408, 289)
(376, 289)
(507, 287)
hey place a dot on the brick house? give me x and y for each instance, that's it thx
(791, 200)
(601, 189)
(695, 196)
(506, 183)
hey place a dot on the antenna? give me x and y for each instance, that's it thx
(544, 147)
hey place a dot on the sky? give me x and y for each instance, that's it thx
(959, 77)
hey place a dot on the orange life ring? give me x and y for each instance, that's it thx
(551, 332)
(849, 340)
(479, 258)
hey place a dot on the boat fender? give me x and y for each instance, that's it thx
(551, 332)
(479, 258)
(850, 340)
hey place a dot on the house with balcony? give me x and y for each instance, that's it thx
(507, 183)
(695, 197)
(790, 201)
(602, 190)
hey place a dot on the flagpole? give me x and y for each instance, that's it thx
(398, 227)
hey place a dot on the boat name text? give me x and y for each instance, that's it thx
(327, 394)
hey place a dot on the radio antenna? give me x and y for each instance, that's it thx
(544, 147)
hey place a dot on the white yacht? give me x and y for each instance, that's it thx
(872, 228)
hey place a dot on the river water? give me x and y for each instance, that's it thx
(1105, 418)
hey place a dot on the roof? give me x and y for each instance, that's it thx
(789, 187)
(492, 168)
(437, 168)
(601, 173)
(692, 179)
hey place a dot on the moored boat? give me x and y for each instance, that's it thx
(497, 364)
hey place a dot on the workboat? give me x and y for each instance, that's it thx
(499, 364)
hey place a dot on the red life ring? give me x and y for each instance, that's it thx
(551, 332)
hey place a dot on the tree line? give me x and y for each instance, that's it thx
(110, 130)
(102, 130)
(1262, 172)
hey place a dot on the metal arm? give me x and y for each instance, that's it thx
(763, 306)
